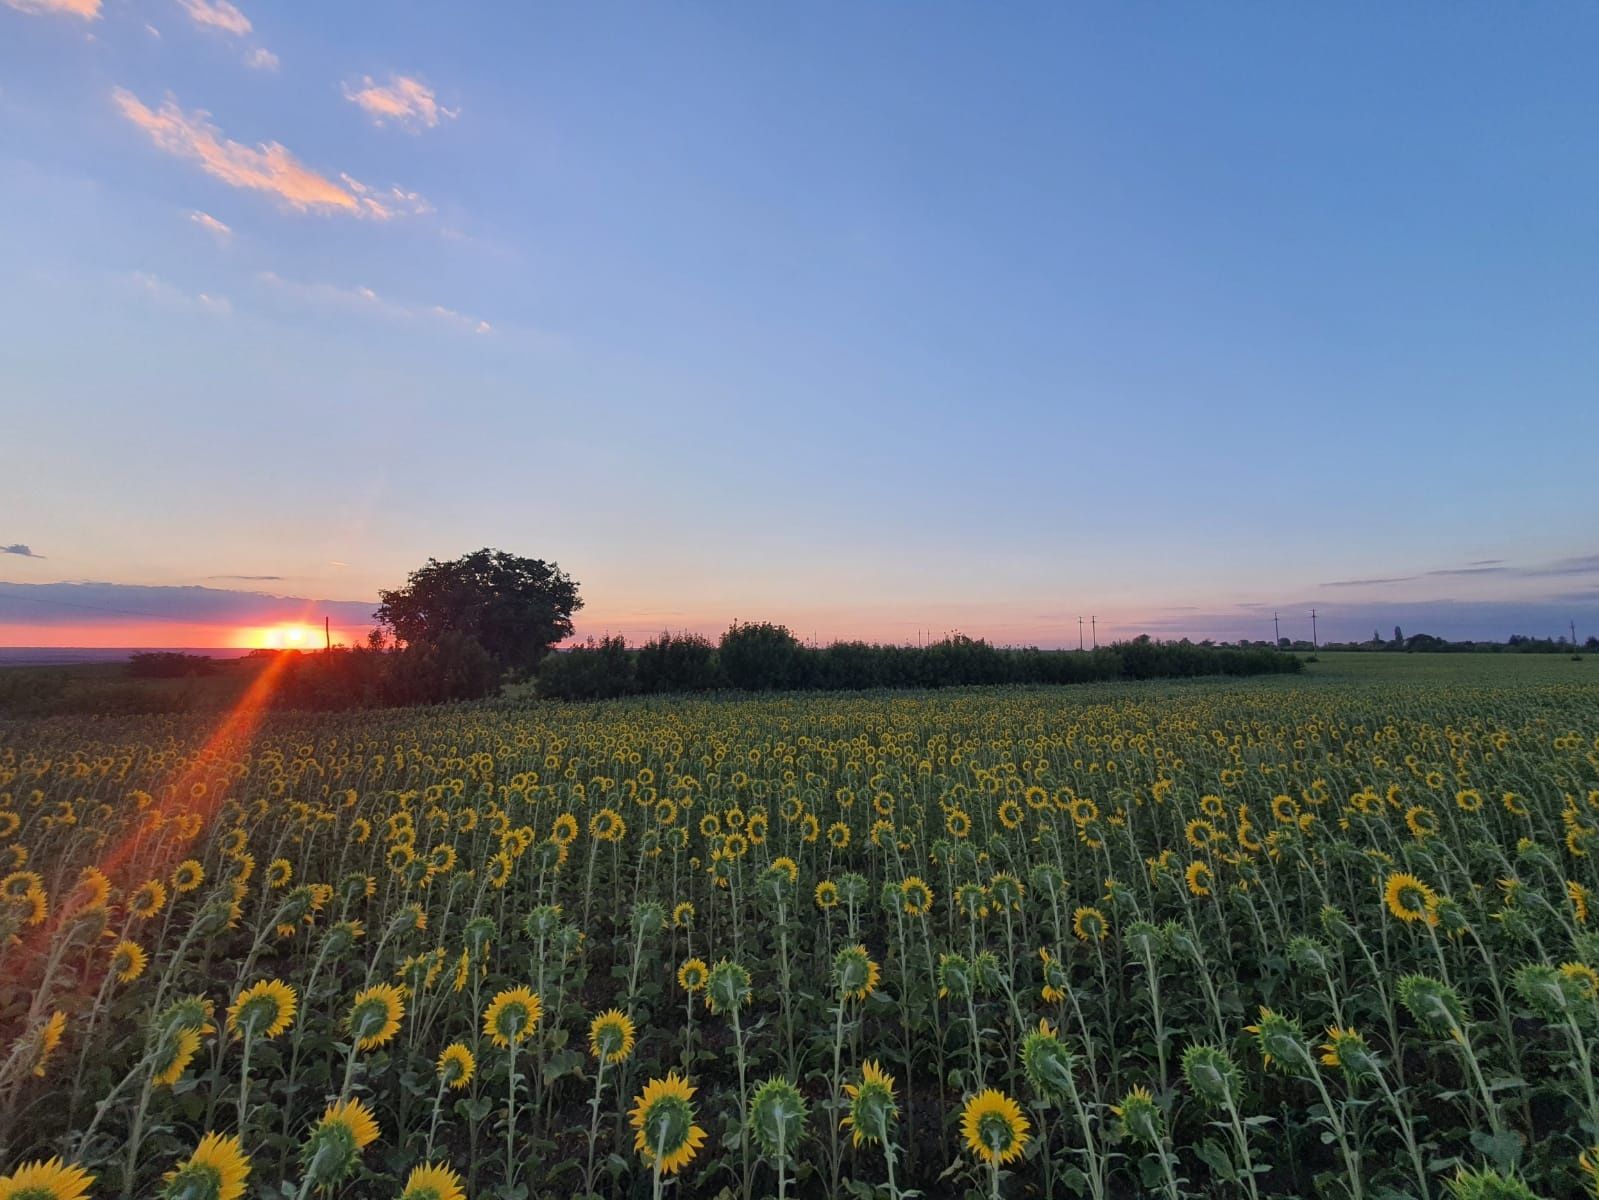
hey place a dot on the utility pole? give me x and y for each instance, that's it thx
(327, 634)
(1312, 629)
(1093, 622)
(1573, 625)
(1276, 633)
(1079, 635)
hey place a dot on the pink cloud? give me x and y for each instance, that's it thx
(89, 10)
(261, 59)
(218, 15)
(406, 101)
(211, 225)
(268, 167)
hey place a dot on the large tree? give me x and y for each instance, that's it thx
(515, 608)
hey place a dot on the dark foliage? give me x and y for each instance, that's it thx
(766, 657)
(514, 608)
(158, 664)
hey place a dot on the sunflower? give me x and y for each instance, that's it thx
(173, 1056)
(263, 1009)
(1198, 877)
(838, 834)
(433, 1183)
(665, 1135)
(682, 915)
(856, 975)
(148, 899)
(563, 831)
(826, 894)
(1089, 924)
(1140, 1116)
(280, 873)
(187, 876)
(1011, 814)
(375, 1015)
(1346, 1050)
(49, 1038)
(1421, 821)
(871, 1105)
(456, 1066)
(916, 896)
(607, 825)
(727, 987)
(330, 1153)
(1055, 979)
(1578, 895)
(1409, 899)
(788, 866)
(993, 1126)
(46, 1179)
(128, 961)
(692, 974)
(93, 889)
(957, 823)
(512, 1016)
(611, 1036)
(215, 1171)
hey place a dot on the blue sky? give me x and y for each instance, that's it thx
(871, 319)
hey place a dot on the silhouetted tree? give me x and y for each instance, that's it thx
(514, 608)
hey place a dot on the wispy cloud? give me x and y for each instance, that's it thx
(71, 603)
(404, 100)
(1343, 583)
(218, 15)
(249, 578)
(169, 294)
(269, 167)
(365, 301)
(20, 550)
(261, 59)
(1497, 568)
(211, 225)
(89, 10)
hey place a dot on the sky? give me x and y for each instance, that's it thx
(878, 320)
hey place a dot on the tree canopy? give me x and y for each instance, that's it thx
(515, 608)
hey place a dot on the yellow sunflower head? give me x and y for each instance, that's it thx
(428, 1182)
(331, 1152)
(46, 1179)
(993, 1127)
(872, 1109)
(375, 1016)
(456, 1065)
(664, 1133)
(263, 1009)
(512, 1016)
(215, 1171)
(611, 1036)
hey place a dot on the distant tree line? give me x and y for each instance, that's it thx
(1426, 643)
(761, 656)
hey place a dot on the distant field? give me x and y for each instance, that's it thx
(1453, 668)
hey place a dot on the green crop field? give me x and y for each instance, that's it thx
(1323, 935)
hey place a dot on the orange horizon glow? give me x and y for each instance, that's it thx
(168, 635)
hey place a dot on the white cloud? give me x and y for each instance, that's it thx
(261, 59)
(268, 167)
(363, 300)
(211, 225)
(169, 295)
(218, 15)
(89, 10)
(405, 100)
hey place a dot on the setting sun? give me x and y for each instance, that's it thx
(286, 637)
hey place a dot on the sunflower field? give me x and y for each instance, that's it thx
(1295, 937)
